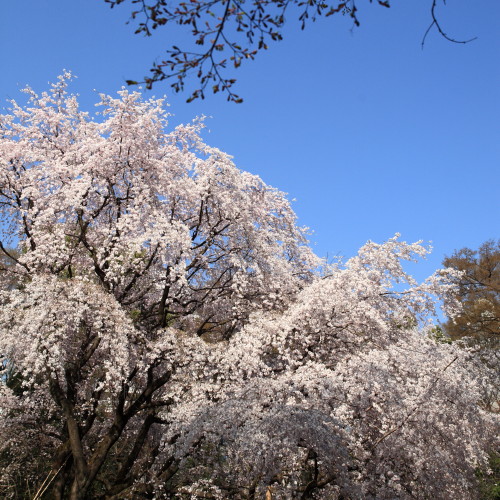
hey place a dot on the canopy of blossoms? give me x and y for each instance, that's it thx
(167, 332)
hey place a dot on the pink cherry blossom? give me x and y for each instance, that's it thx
(167, 332)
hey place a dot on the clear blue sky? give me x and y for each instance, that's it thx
(369, 133)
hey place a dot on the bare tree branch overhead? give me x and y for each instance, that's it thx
(230, 32)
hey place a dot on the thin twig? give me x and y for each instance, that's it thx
(438, 26)
(41, 491)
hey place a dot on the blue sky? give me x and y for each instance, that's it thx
(369, 133)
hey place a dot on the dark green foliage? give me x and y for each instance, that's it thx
(490, 483)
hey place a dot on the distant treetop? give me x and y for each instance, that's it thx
(479, 292)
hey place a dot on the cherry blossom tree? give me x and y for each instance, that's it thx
(167, 332)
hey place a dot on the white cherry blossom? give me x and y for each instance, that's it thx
(167, 332)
